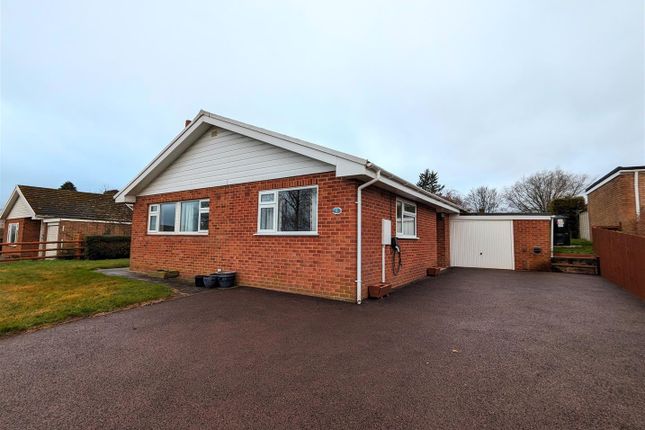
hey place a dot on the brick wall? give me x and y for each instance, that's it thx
(73, 230)
(443, 241)
(613, 204)
(528, 234)
(323, 265)
(28, 231)
(417, 254)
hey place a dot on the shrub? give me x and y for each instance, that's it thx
(104, 247)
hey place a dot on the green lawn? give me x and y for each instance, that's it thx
(578, 246)
(34, 293)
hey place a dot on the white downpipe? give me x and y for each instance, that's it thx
(359, 262)
(382, 264)
(637, 196)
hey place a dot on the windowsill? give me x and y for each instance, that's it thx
(177, 233)
(407, 237)
(286, 233)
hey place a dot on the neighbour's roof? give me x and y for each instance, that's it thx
(507, 214)
(54, 203)
(613, 172)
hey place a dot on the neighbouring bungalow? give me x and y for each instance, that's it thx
(617, 200)
(36, 214)
(292, 216)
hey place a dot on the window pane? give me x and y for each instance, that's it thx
(204, 204)
(266, 219)
(410, 208)
(203, 221)
(167, 217)
(152, 225)
(189, 216)
(13, 233)
(296, 210)
(153, 208)
(408, 226)
(399, 211)
(267, 198)
(399, 226)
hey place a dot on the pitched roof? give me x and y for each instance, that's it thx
(346, 164)
(619, 169)
(53, 203)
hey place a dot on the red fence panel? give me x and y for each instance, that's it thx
(622, 259)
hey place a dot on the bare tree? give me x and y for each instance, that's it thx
(483, 200)
(534, 193)
(453, 196)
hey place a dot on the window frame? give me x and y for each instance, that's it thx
(401, 235)
(275, 205)
(15, 239)
(177, 223)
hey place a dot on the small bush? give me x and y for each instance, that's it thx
(104, 247)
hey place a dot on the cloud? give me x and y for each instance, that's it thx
(483, 92)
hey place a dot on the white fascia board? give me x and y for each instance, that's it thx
(502, 217)
(611, 178)
(13, 198)
(406, 191)
(258, 133)
(48, 220)
(161, 161)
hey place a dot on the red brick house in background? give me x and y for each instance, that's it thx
(289, 215)
(36, 214)
(618, 200)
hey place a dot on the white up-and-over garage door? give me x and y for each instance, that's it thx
(482, 243)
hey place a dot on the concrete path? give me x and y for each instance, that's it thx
(470, 349)
(182, 286)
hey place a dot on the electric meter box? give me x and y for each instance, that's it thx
(386, 232)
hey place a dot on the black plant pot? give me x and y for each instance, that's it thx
(199, 281)
(211, 281)
(226, 279)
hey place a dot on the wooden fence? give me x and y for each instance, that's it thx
(18, 251)
(622, 258)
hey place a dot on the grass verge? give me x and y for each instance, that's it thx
(578, 246)
(34, 293)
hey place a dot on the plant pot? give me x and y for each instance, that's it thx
(211, 281)
(226, 279)
(379, 290)
(199, 281)
(435, 271)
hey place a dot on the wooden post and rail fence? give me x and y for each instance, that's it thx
(17, 251)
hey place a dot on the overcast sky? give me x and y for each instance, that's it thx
(481, 91)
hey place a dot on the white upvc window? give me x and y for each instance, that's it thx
(12, 233)
(290, 211)
(406, 219)
(187, 217)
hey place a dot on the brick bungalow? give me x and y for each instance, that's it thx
(36, 214)
(285, 214)
(617, 200)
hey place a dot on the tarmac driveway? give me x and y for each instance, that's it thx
(470, 349)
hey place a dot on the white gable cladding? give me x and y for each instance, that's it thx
(20, 209)
(221, 157)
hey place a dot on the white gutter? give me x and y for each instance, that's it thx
(359, 203)
(637, 196)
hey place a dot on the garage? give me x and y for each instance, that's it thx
(510, 242)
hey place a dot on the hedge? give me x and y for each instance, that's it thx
(103, 247)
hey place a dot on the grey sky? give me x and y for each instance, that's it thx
(482, 92)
